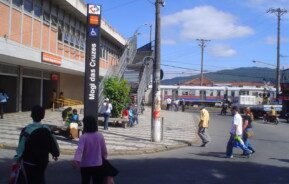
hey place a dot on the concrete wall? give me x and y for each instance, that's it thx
(72, 86)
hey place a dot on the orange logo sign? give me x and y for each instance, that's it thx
(94, 20)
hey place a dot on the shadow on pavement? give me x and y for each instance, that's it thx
(272, 141)
(183, 142)
(64, 139)
(281, 160)
(217, 155)
(127, 137)
(170, 171)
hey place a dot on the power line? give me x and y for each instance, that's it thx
(180, 67)
(175, 61)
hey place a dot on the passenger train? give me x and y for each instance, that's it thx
(212, 95)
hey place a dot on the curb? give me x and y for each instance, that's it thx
(160, 148)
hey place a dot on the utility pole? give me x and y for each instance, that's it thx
(151, 33)
(278, 12)
(202, 45)
(156, 94)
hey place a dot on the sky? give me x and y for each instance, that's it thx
(239, 31)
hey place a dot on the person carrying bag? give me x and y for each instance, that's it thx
(91, 155)
(36, 142)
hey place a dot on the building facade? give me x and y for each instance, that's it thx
(42, 48)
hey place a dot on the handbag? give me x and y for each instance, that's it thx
(14, 174)
(108, 169)
(249, 133)
(17, 173)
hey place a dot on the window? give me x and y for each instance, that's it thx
(211, 93)
(166, 92)
(193, 93)
(72, 36)
(77, 40)
(46, 11)
(60, 34)
(17, 2)
(46, 17)
(100, 48)
(244, 93)
(82, 44)
(60, 30)
(82, 41)
(53, 20)
(255, 94)
(37, 9)
(28, 6)
(218, 93)
(185, 93)
(66, 37)
(233, 93)
(66, 33)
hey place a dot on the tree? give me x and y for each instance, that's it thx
(117, 90)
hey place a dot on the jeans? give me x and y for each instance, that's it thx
(105, 123)
(130, 120)
(246, 140)
(135, 119)
(230, 146)
(94, 173)
(203, 134)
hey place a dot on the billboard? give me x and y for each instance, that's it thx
(92, 60)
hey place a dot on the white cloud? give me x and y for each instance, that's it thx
(205, 22)
(168, 42)
(222, 50)
(272, 40)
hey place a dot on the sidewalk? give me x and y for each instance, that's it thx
(179, 131)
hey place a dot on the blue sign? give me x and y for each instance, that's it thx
(93, 32)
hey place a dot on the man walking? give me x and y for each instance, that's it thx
(168, 102)
(236, 134)
(106, 111)
(35, 143)
(203, 126)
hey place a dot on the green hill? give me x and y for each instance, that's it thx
(245, 74)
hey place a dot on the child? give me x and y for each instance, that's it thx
(130, 116)
(75, 117)
(90, 152)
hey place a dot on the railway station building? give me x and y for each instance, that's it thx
(42, 48)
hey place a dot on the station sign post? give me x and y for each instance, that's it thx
(92, 54)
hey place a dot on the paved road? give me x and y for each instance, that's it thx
(270, 163)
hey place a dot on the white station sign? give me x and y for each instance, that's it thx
(94, 9)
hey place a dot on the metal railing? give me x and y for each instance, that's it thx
(145, 80)
(118, 70)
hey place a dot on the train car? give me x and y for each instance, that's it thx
(194, 94)
(209, 95)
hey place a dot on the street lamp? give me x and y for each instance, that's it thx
(146, 24)
(150, 25)
(254, 61)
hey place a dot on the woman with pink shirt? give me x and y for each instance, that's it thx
(91, 153)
